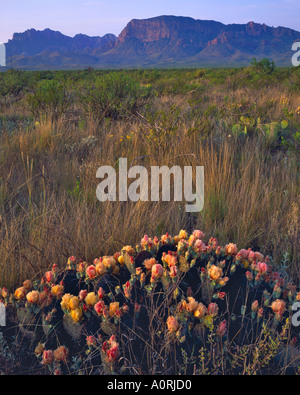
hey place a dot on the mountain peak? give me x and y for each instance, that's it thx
(165, 40)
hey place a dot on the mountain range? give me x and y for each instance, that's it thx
(163, 41)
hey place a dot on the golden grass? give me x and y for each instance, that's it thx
(48, 205)
(48, 185)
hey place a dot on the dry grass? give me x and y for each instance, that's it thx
(48, 205)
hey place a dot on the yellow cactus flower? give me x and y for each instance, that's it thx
(76, 314)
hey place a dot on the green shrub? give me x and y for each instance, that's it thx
(50, 98)
(11, 83)
(264, 66)
(114, 95)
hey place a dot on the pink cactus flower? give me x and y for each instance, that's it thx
(213, 309)
(157, 270)
(99, 307)
(48, 357)
(91, 341)
(200, 246)
(231, 249)
(82, 294)
(172, 324)
(49, 276)
(254, 306)
(278, 306)
(173, 271)
(222, 329)
(113, 353)
(198, 234)
(101, 293)
(242, 254)
(262, 267)
(91, 272)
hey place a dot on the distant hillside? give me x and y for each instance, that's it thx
(164, 41)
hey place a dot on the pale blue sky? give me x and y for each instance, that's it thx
(98, 17)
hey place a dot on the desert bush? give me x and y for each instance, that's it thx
(113, 95)
(49, 98)
(13, 86)
(264, 66)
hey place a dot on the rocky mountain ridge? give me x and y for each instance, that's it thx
(164, 41)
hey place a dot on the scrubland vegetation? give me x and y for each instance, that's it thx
(57, 128)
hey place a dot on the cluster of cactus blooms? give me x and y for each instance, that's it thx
(85, 303)
(52, 359)
(110, 349)
(217, 265)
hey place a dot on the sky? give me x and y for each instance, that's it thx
(98, 17)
